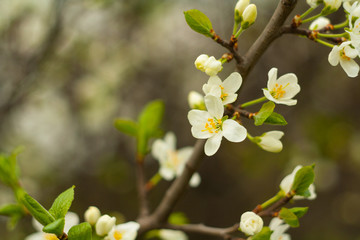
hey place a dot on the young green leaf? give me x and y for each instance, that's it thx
(198, 22)
(62, 203)
(80, 232)
(56, 227)
(264, 234)
(289, 217)
(276, 119)
(299, 211)
(37, 210)
(178, 218)
(303, 179)
(128, 127)
(11, 209)
(264, 113)
(9, 171)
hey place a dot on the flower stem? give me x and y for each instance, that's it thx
(236, 25)
(306, 13)
(311, 18)
(324, 43)
(239, 32)
(272, 200)
(258, 100)
(153, 181)
(341, 25)
(332, 35)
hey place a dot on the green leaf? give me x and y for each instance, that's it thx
(56, 227)
(80, 232)
(198, 22)
(11, 209)
(303, 179)
(128, 127)
(9, 171)
(289, 217)
(264, 113)
(178, 218)
(299, 211)
(264, 234)
(37, 210)
(275, 119)
(62, 203)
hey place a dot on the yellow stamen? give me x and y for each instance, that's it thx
(117, 235)
(279, 91)
(50, 237)
(212, 126)
(223, 95)
(343, 55)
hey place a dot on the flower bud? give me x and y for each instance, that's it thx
(249, 16)
(91, 215)
(319, 23)
(251, 223)
(239, 9)
(313, 3)
(200, 62)
(196, 101)
(331, 6)
(104, 225)
(270, 141)
(213, 66)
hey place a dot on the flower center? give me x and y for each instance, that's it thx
(279, 90)
(213, 125)
(50, 237)
(223, 95)
(174, 158)
(343, 55)
(117, 235)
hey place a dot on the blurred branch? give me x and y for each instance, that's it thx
(140, 174)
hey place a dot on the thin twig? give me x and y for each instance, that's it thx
(142, 193)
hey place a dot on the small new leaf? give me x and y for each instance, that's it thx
(303, 179)
(265, 112)
(264, 234)
(37, 210)
(11, 209)
(178, 218)
(56, 227)
(289, 217)
(276, 119)
(128, 127)
(80, 232)
(62, 203)
(299, 211)
(198, 22)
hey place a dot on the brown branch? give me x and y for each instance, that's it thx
(142, 193)
(231, 46)
(282, 202)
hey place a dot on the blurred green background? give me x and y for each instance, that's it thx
(69, 68)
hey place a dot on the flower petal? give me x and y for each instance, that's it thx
(213, 81)
(214, 106)
(230, 98)
(167, 173)
(198, 131)
(271, 144)
(198, 117)
(170, 140)
(215, 91)
(233, 131)
(268, 95)
(195, 180)
(274, 134)
(291, 87)
(272, 75)
(334, 56)
(184, 153)
(213, 144)
(232, 83)
(350, 67)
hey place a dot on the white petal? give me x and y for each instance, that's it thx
(271, 144)
(214, 81)
(334, 56)
(274, 134)
(272, 75)
(195, 180)
(350, 67)
(213, 144)
(159, 150)
(36, 236)
(312, 192)
(230, 98)
(198, 132)
(215, 91)
(214, 106)
(184, 153)
(198, 117)
(232, 83)
(71, 219)
(275, 222)
(170, 140)
(167, 173)
(233, 131)
(268, 95)
(288, 102)
(286, 183)
(350, 52)
(291, 87)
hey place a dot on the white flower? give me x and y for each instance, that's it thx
(270, 141)
(225, 90)
(353, 9)
(211, 125)
(239, 9)
(332, 5)
(319, 23)
(354, 32)
(212, 66)
(282, 90)
(344, 55)
(172, 161)
(313, 3)
(166, 234)
(279, 228)
(251, 223)
(71, 219)
(200, 62)
(104, 225)
(288, 181)
(125, 231)
(249, 16)
(196, 100)
(92, 214)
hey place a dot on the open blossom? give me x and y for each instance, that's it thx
(71, 219)
(353, 9)
(279, 228)
(251, 223)
(212, 126)
(104, 224)
(270, 141)
(172, 161)
(319, 23)
(167, 234)
(125, 231)
(226, 90)
(288, 181)
(345, 54)
(283, 89)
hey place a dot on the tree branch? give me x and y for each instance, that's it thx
(142, 194)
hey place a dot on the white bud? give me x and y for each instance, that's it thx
(251, 223)
(196, 100)
(92, 214)
(332, 4)
(239, 9)
(249, 16)
(213, 66)
(270, 141)
(200, 62)
(167, 234)
(313, 3)
(319, 23)
(104, 225)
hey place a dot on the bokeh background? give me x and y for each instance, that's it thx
(69, 68)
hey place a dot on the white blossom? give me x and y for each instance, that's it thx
(125, 231)
(226, 90)
(71, 219)
(167, 234)
(279, 228)
(282, 90)
(270, 141)
(212, 126)
(196, 100)
(104, 224)
(288, 181)
(249, 16)
(172, 161)
(251, 223)
(92, 214)
(345, 54)
(313, 3)
(319, 23)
